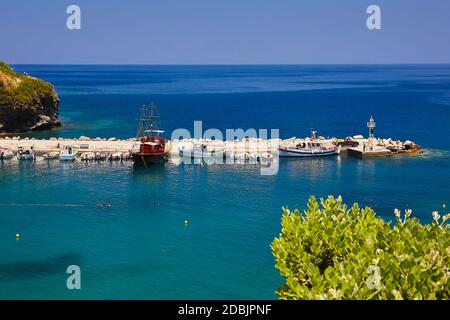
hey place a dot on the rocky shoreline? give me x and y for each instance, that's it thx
(26, 103)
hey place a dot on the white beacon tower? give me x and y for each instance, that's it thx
(371, 125)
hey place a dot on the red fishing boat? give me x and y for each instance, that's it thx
(151, 146)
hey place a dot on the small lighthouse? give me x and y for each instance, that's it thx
(371, 125)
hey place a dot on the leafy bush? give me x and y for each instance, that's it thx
(335, 252)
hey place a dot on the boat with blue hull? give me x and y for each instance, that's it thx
(68, 154)
(26, 154)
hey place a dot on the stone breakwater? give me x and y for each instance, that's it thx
(365, 147)
(82, 145)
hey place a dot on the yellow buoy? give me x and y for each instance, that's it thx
(17, 236)
(185, 221)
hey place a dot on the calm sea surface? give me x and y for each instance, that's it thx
(140, 248)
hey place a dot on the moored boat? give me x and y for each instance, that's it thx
(51, 155)
(6, 154)
(198, 151)
(310, 148)
(151, 146)
(25, 154)
(101, 156)
(266, 156)
(88, 156)
(115, 156)
(68, 154)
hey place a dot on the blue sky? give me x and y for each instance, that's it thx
(225, 32)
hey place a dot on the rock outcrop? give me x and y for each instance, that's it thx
(26, 103)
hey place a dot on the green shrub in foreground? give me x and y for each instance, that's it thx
(335, 252)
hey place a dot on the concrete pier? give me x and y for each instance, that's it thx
(376, 152)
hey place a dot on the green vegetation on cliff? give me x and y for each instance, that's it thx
(334, 252)
(18, 88)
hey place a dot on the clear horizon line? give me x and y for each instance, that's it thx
(237, 64)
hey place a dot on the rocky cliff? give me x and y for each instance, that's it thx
(26, 103)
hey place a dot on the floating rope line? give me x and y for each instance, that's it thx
(40, 205)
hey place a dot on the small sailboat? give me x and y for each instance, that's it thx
(25, 154)
(68, 154)
(310, 148)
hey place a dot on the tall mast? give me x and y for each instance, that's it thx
(147, 125)
(151, 127)
(141, 128)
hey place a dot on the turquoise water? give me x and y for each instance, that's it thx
(140, 248)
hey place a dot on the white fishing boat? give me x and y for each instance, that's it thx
(6, 154)
(25, 154)
(68, 154)
(126, 156)
(242, 157)
(253, 157)
(88, 156)
(51, 155)
(266, 156)
(101, 156)
(230, 156)
(198, 151)
(115, 156)
(184, 152)
(310, 148)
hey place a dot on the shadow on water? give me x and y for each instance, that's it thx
(150, 173)
(25, 165)
(309, 164)
(35, 268)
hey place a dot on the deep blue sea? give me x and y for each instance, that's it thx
(140, 248)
